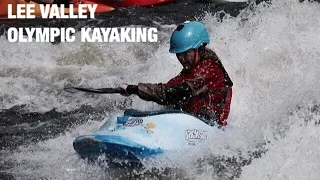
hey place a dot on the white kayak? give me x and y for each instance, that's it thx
(134, 136)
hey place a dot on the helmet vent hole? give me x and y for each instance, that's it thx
(180, 27)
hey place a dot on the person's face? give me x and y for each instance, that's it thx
(188, 59)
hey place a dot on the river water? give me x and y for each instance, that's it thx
(270, 50)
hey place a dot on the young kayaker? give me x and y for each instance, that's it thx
(203, 87)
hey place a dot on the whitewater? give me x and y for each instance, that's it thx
(270, 50)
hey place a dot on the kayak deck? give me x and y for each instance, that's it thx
(133, 136)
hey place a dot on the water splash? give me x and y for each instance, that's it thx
(270, 51)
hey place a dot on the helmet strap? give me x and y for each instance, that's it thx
(197, 57)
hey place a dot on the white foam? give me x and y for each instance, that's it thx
(271, 53)
(295, 156)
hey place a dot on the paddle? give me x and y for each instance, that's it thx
(100, 91)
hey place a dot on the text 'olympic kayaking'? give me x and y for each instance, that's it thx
(52, 34)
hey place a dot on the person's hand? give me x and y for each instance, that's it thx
(124, 87)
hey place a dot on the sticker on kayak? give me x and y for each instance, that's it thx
(149, 126)
(133, 122)
(196, 134)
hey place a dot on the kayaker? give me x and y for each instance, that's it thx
(203, 87)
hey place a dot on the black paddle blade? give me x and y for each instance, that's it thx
(99, 91)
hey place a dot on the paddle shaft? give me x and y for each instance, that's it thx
(99, 91)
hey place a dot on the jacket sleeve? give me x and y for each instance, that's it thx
(208, 78)
(160, 93)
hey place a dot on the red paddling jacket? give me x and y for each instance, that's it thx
(204, 91)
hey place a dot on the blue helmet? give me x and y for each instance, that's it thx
(189, 35)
